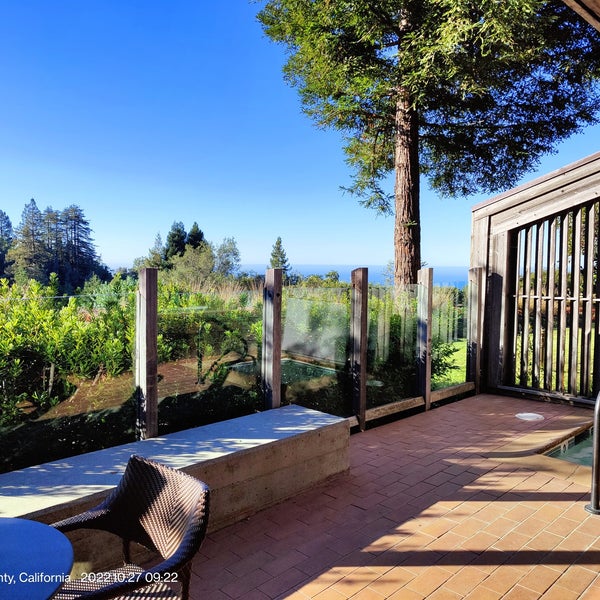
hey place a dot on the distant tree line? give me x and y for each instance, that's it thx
(187, 259)
(46, 242)
(59, 242)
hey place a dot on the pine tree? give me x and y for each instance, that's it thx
(195, 237)
(54, 242)
(79, 260)
(29, 254)
(279, 258)
(54, 238)
(155, 256)
(176, 239)
(6, 239)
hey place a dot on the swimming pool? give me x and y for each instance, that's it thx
(577, 450)
(291, 370)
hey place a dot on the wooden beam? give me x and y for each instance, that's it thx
(387, 410)
(588, 9)
(146, 354)
(453, 390)
(475, 324)
(542, 198)
(359, 341)
(271, 339)
(556, 184)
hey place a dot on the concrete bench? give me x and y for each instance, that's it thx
(250, 463)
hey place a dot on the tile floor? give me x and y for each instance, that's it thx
(446, 505)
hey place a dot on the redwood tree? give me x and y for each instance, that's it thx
(469, 94)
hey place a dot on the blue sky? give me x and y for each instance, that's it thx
(148, 112)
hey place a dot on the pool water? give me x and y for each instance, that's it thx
(291, 370)
(577, 450)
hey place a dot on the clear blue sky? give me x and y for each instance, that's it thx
(148, 112)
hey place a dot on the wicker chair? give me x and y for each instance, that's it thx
(164, 510)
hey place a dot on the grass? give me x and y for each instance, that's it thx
(458, 371)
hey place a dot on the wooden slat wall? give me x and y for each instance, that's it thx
(537, 246)
(550, 304)
(554, 299)
(562, 311)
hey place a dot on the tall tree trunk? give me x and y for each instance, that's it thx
(407, 227)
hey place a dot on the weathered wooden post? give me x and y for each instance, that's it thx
(271, 338)
(424, 322)
(474, 324)
(146, 354)
(359, 342)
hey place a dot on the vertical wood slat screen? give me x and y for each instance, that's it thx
(552, 345)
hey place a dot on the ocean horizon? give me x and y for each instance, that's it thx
(378, 274)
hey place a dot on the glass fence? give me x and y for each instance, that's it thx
(391, 357)
(449, 336)
(65, 373)
(314, 348)
(209, 359)
(66, 380)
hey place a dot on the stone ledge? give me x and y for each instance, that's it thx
(250, 463)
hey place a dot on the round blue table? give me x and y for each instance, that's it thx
(35, 559)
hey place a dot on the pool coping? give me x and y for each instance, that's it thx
(528, 450)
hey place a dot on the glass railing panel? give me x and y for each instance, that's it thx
(315, 345)
(65, 371)
(449, 336)
(391, 363)
(209, 363)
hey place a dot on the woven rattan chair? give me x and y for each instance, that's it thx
(164, 510)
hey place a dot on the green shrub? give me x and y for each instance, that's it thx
(45, 340)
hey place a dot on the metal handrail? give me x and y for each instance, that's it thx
(594, 505)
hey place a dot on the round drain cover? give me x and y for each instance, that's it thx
(530, 416)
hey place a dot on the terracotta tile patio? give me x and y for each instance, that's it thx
(445, 505)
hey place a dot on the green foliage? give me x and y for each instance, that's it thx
(495, 85)
(227, 258)
(156, 257)
(6, 238)
(442, 358)
(317, 321)
(217, 328)
(448, 336)
(26, 322)
(330, 280)
(50, 343)
(279, 258)
(468, 94)
(397, 368)
(56, 242)
(176, 238)
(46, 340)
(195, 236)
(228, 337)
(189, 261)
(457, 366)
(192, 269)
